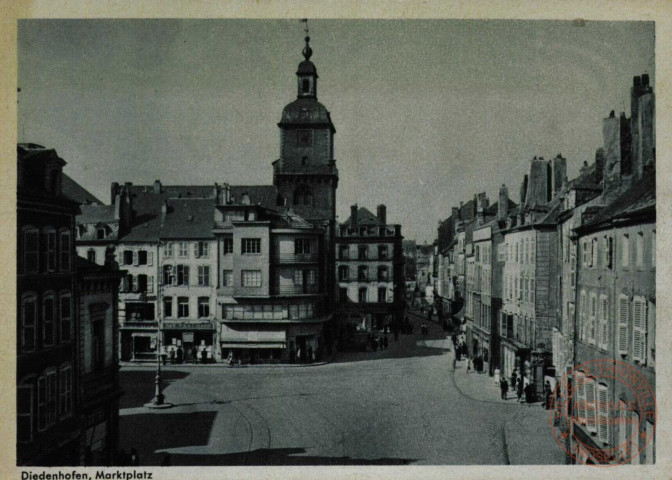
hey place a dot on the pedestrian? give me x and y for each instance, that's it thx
(547, 395)
(135, 459)
(385, 341)
(166, 460)
(454, 361)
(204, 355)
(519, 389)
(514, 379)
(229, 359)
(298, 355)
(468, 365)
(194, 354)
(180, 355)
(529, 393)
(505, 388)
(172, 354)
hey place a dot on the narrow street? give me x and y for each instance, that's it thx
(403, 405)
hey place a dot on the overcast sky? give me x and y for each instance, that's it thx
(427, 113)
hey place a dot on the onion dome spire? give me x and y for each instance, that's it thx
(307, 51)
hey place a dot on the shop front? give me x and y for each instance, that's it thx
(189, 341)
(253, 343)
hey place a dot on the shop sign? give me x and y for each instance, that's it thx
(167, 325)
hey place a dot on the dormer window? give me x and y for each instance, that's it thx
(100, 233)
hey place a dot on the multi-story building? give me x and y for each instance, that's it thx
(48, 428)
(369, 265)
(615, 311)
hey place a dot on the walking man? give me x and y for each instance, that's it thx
(505, 388)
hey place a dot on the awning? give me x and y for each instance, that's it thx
(254, 345)
(250, 335)
(144, 334)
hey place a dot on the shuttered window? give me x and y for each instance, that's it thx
(593, 316)
(591, 410)
(603, 413)
(583, 308)
(581, 397)
(603, 341)
(639, 348)
(623, 313)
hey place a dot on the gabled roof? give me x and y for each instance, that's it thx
(96, 213)
(187, 218)
(76, 192)
(364, 217)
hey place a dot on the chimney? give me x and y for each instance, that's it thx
(647, 130)
(216, 192)
(538, 185)
(114, 191)
(503, 205)
(226, 194)
(599, 165)
(645, 80)
(584, 168)
(481, 205)
(611, 133)
(523, 190)
(353, 217)
(382, 214)
(157, 187)
(559, 173)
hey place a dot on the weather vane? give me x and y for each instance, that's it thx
(305, 20)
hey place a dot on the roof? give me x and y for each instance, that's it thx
(187, 218)
(306, 111)
(639, 198)
(76, 192)
(96, 213)
(586, 180)
(364, 217)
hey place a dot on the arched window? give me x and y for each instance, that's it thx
(28, 322)
(303, 196)
(31, 250)
(50, 247)
(66, 245)
(65, 311)
(65, 391)
(46, 399)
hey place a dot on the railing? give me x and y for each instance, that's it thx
(294, 290)
(329, 169)
(295, 258)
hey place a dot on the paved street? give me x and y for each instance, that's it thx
(404, 405)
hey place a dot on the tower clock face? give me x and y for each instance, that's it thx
(304, 138)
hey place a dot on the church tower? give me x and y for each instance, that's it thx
(306, 174)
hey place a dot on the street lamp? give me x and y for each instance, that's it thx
(159, 400)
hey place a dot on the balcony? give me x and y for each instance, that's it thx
(295, 290)
(295, 258)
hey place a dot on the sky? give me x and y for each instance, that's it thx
(427, 112)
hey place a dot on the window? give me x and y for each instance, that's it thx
(182, 307)
(227, 246)
(584, 247)
(382, 274)
(517, 251)
(51, 251)
(250, 246)
(168, 250)
(625, 251)
(42, 394)
(251, 278)
(303, 196)
(128, 257)
(623, 314)
(342, 295)
(142, 257)
(343, 273)
(343, 252)
(168, 306)
(182, 275)
(581, 397)
(24, 407)
(168, 275)
(66, 317)
(593, 253)
(583, 308)
(51, 400)
(603, 341)
(591, 423)
(653, 249)
(201, 250)
(639, 250)
(305, 86)
(183, 249)
(639, 322)
(97, 345)
(382, 252)
(203, 307)
(609, 252)
(532, 250)
(65, 251)
(302, 246)
(227, 278)
(592, 319)
(91, 255)
(363, 252)
(29, 322)
(382, 294)
(603, 413)
(362, 295)
(362, 273)
(31, 250)
(204, 275)
(48, 320)
(150, 284)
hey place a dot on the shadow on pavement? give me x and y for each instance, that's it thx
(138, 386)
(149, 432)
(279, 456)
